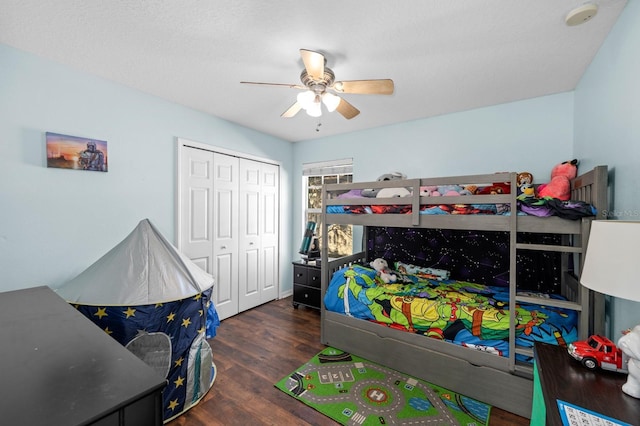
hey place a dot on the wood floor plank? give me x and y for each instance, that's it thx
(254, 350)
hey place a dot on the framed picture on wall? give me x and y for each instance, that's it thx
(74, 152)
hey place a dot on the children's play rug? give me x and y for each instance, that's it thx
(354, 391)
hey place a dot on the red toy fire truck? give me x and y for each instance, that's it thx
(598, 351)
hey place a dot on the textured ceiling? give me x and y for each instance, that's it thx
(444, 55)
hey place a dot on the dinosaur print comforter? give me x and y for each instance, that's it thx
(460, 312)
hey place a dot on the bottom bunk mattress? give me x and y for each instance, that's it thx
(460, 312)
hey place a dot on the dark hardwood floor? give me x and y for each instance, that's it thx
(254, 350)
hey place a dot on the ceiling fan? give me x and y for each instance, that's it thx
(320, 87)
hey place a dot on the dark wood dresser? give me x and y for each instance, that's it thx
(306, 284)
(58, 368)
(560, 377)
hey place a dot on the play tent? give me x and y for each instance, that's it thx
(156, 302)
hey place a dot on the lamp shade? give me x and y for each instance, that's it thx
(612, 262)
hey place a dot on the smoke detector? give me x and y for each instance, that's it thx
(581, 14)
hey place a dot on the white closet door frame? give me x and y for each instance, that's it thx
(270, 287)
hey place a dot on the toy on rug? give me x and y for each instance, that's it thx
(630, 346)
(560, 184)
(382, 268)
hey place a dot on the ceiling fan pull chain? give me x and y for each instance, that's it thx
(318, 125)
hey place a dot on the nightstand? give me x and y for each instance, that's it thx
(306, 284)
(559, 377)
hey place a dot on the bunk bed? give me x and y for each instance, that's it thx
(503, 381)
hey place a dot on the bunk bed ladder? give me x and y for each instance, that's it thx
(588, 304)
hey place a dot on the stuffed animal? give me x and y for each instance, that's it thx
(429, 191)
(496, 188)
(382, 268)
(630, 346)
(526, 191)
(448, 190)
(524, 180)
(472, 189)
(373, 193)
(393, 192)
(560, 184)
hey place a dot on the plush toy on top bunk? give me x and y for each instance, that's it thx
(560, 184)
(382, 268)
(446, 190)
(553, 198)
(388, 192)
(525, 185)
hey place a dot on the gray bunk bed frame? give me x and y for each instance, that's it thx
(500, 381)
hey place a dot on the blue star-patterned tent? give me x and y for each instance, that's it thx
(155, 301)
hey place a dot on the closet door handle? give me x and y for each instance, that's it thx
(223, 247)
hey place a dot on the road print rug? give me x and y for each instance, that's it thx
(354, 391)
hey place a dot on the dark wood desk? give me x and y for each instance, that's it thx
(58, 368)
(561, 377)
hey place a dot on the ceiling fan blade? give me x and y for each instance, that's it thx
(293, 110)
(313, 63)
(291, 86)
(347, 110)
(365, 87)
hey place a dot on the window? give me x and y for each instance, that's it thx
(340, 238)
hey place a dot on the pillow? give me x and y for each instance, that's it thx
(437, 274)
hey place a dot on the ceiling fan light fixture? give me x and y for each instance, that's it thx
(314, 109)
(306, 98)
(317, 79)
(331, 101)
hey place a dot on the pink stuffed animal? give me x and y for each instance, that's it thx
(429, 191)
(560, 184)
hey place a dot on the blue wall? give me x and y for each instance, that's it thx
(54, 222)
(607, 130)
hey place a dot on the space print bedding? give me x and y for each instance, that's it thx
(460, 312)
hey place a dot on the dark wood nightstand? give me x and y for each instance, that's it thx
(560, 377)
(306, 284)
